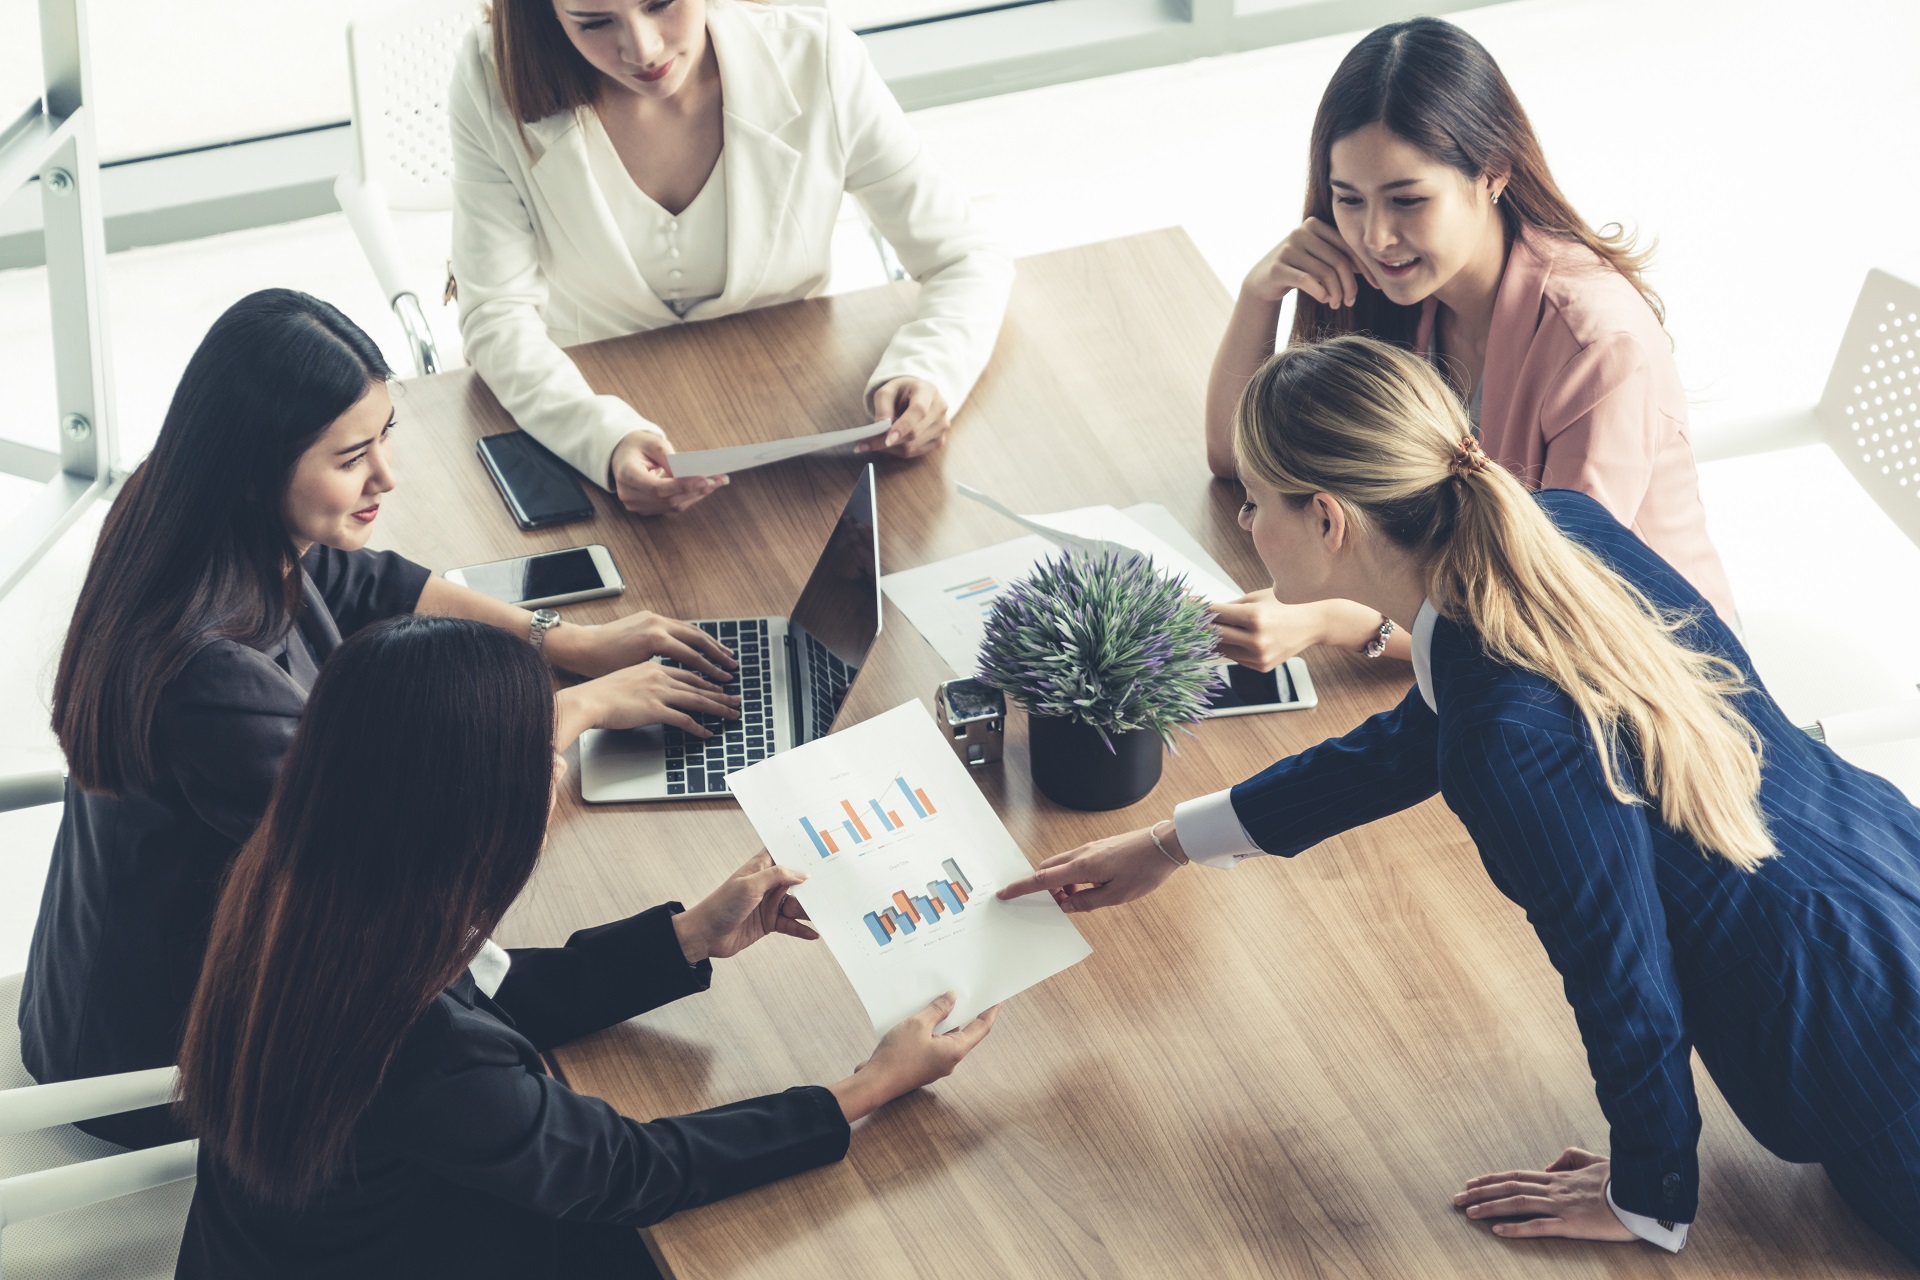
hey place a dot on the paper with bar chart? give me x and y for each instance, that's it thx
(903, 855)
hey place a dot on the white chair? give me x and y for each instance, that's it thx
(401, 62)
(71, 1204)
(1869, 415)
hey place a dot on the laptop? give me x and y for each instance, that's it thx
(794, 674)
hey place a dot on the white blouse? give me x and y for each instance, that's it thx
(683, 257)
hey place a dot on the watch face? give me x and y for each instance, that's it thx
(971, 700)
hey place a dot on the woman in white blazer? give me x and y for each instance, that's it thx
(621, 165)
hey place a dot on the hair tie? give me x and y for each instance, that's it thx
(1467, 457)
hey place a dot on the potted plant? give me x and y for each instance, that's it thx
(1106, 655)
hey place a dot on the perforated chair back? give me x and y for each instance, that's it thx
(401, 58)
(1870, 410)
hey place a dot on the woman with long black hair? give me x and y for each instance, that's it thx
(1432, 221)
(364, 1105)
(230, 566)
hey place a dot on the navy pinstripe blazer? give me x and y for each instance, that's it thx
(1799, 983)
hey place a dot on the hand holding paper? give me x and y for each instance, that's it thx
(744, 457)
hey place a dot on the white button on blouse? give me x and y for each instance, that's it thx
(682, 258)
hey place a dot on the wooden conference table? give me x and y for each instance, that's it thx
(1285, 1070)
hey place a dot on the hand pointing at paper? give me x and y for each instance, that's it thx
(1105, 873)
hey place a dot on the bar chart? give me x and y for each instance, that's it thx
(912, 912)
(853, 826)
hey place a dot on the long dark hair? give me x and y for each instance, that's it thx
(541, 73)
(196, 543)
(1438, 88)
(408, 815)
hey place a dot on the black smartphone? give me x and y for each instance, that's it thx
(539, 489)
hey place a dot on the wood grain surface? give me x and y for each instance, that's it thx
(1285, 1070)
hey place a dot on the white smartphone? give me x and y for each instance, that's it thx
(1287, 687)
(550, 578)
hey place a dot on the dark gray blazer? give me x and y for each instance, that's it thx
(130, 893)
(473, 1162)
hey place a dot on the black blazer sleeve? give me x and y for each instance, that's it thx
(362, 587)
(224, 725)
(603, 976)
(482, 1118)
(1556, 841)
(1389, 763)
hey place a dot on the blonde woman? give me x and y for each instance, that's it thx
(1599, 732)
(622, 165)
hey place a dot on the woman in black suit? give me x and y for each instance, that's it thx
(231, 565)
(364, 1106)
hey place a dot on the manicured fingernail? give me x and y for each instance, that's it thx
(893, 438)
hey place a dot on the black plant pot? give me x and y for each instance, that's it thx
(1073, 766)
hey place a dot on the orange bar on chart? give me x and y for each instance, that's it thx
(938, 907)
(886, 922)
(831, 846)
(906, 907)
(858, 825)
(926, 803)
(958, 892)
(893, 817)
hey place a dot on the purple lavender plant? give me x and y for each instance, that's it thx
(1112, 643)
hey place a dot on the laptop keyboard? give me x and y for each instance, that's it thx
(698, 766)
(831, 680)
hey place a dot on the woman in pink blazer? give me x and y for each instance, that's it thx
(1433, 222)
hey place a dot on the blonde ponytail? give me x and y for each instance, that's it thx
(1374, 428)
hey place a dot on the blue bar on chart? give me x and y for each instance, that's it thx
(911, 798)
(851, 833)
(942, 890)
(881, 814)
(814, 836)
(878, 930)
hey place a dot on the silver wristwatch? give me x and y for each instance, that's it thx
(544, 620)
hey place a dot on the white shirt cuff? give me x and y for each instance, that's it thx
(489, 968)
(1210, 831)
(1668, 1235)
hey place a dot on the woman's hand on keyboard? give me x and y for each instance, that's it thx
(638, 637)
(643, 694)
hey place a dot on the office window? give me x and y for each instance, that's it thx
(19, 58)
(885, 15)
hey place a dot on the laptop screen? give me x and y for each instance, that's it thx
(836, 619)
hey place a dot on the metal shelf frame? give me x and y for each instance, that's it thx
(52, 145)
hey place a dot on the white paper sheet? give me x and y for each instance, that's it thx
(744, 457)
(903, 856)
(948, 601)
(1108, 530)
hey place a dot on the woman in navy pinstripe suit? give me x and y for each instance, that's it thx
(1702, 875)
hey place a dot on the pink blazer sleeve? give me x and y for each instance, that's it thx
(1603, 424)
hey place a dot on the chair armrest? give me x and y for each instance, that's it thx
(34, 1195)
(1871, 727)
(30, 790)
(1768, 433)
(426, 354)
(42, 1106)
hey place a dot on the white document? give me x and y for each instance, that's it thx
(744, 457)
(903, 855)
(948, 601)
(1107, 530)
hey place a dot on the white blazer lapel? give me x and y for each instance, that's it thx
(761, 165)
(580, 213)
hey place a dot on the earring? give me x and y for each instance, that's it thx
(1496, 197)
